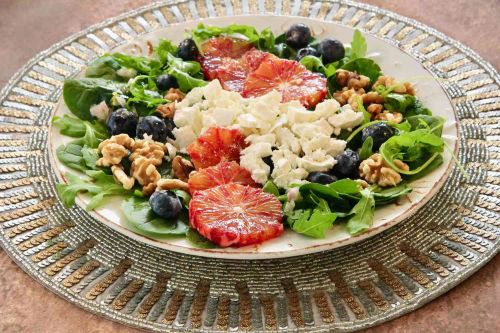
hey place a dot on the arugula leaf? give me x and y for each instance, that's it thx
(186, 82)
(203, 32)
(81, 94)
(143, 65)
(142, 220)
(361, 108)
(189, 67)
(184, 196)
(365, 67)
(418, 149)
(100, 186)
(345, 186)
(362, 213)
(358, 45)
(90, 157)
(163, 50)
(433, 123)
(104, 67)
(144, 91)
(398, 102)
(196, 239)
(366, 149)
(417, 108)
(267, 41)
(312, 222)
(270, 187)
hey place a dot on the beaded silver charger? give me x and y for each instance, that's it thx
(345, 289)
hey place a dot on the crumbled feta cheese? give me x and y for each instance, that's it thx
(101, 111)
(298, 140)
(346, 119)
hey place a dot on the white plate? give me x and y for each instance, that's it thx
(392, 60)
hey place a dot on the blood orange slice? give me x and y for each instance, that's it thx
(288, 77)
(222, 173)
(236, 215)
(216, 145)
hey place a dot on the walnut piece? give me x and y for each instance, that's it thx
(376, 171)
(166, 110)
(146, 174)
(348, 95)
(394, 117)
(171, 184)
(152, 150)
(174, 94)
(121, 177)
(182, 168)
(352, 79)
(114, 149)
(398, 87)
(374, 109)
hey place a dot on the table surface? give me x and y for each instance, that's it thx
(28, 27)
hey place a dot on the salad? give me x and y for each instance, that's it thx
(234, 135)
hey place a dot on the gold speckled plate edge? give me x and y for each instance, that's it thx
(334, 290)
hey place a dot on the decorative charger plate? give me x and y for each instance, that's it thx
(347, 288)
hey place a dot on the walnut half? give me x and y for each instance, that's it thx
(182, 168)
(376, 171)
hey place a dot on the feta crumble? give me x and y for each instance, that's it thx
(299, 141)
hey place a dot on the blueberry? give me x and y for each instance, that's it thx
(165, 82)
(122, 121)
(187, 50)
(305, 52)
(298, 35)
(321, 178)
(347, 165)
(169, 123)
(154, 126)
(165, 204)
(331, 50)
(379, 132)
(269, 161)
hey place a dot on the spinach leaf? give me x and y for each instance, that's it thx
(81, 94)
(398, 102)
(184, 196)
(315, 64)
(196, 239)
(99, 186)
(142, 220)
(365, 67)
(270, 187)
(418, 149)
(366, 149)
(71, 156)
(267, 41)
(362, 213)
(345, 186)
(417, 108)
(186, 82)
(385, 196)
(104, 67)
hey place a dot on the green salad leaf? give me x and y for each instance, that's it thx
(140, 218)
(196, 239)
(267, 41)
(104, 67)
(365, 67)
(388, 195)
(315, 64)
(203, 32)
(418, 149)
(312, 222)
(362, 213)
(81, 94)
(358, 45)
(366, 149)
(417, 108)
(398, 102)
(142, 65)
(433, 123)
(163, 50)
(77, 128)
(186, 82)
(144, 91)
(98, 186)
(71, 155)
(270, 187)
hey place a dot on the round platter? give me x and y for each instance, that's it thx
(392, 60)
(346, 288)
